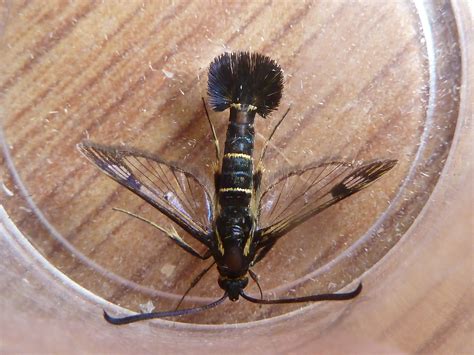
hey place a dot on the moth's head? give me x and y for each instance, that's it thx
(233, 287)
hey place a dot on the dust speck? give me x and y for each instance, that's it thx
(147, 307)
(168, 270)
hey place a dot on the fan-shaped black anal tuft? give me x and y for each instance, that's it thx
(250, 79)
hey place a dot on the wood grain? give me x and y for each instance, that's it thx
(363, 82)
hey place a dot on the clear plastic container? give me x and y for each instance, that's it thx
(364, 80)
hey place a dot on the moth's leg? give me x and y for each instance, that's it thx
(257, 179)
(254, 277)
(257, 176)
(178, 240)
(217, 176)
(265, 145)
(195, 282)
(172, 234)
(214, 135)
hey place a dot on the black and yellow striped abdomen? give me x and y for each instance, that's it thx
(247, 84)
(236, 177)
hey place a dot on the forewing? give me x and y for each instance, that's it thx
(302, 193)
(176, 193)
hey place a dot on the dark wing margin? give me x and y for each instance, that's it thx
(302, 193)
(174, 192)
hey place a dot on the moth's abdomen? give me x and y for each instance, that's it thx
(240, 135)
(247, 84)
(236, 178)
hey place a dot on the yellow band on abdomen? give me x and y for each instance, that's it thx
(238, 189)
(238, 155)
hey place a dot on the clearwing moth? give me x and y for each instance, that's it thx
(243, 219)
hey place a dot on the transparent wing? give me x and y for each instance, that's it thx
(176, 193)
(302, 193)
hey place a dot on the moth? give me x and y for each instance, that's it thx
(243, 219)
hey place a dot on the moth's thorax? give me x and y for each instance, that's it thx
(233, 267)
(234, 234)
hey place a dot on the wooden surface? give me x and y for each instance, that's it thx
(364, 83)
